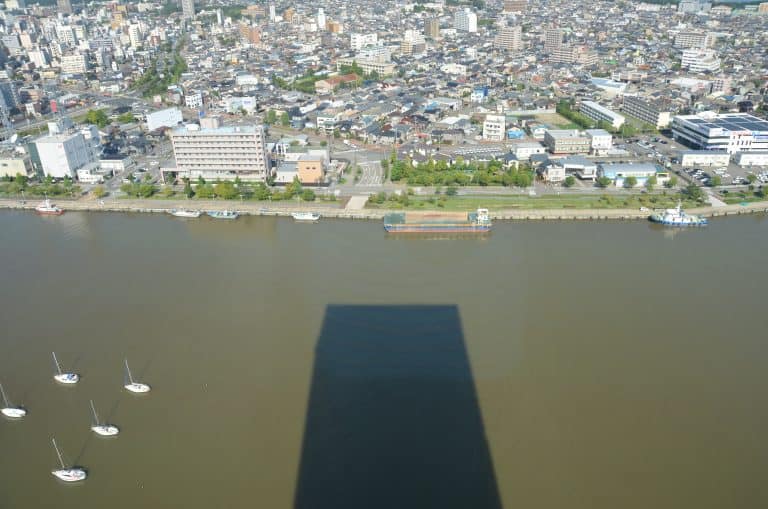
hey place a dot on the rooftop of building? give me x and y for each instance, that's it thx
(727, 121)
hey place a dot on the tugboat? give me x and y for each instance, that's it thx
(678, 217)
(48, 209)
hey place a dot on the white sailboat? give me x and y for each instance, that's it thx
(134, 386)
(71, 474)
(105, 430)
(9, 410)
(64, 378)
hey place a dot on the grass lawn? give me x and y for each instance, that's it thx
(556, 120)
(461, 203)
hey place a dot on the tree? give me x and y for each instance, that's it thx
(126, 118)
(200, 181)
(293, 188)
(650, 182)
(715, 181)
(672, 182)
(225, 190)
(630, 182)
(97, 117)
(603, 181)
(188, 191)
(167, 191)
(285, 119)
(67, 182)
(308, 195)
(693, 192)
(205, 191)
(271, 117)
(751, 178)
(569, 181)
(99, 192)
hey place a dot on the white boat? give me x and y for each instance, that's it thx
(14, 412)
(132, 385)
(46, 208)
(105, 430)
(185, 213)
(64, 378)
(223, 214)
(67, 474)
(305, 216)
(678, 217)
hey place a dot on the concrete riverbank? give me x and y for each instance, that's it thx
(337, 210)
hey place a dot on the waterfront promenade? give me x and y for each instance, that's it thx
(341, 211)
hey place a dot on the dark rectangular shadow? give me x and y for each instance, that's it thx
(393, 418)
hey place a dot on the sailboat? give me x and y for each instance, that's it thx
(9, 410)
(134, 386)
(105, 430)
(71, 474)
(64, 378)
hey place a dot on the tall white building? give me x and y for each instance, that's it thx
(510, 38)
(188, 8)
(697, 60)
(321, 19)
(73, 64)
(494, 127)
(61, 155)
(465, 20)
(358, 41)
(222, 153)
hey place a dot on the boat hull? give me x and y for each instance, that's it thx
(219, 215)
(105, 430)
(137, 388)
(692, 222)
(436, 228)
(70, 474)
(49, 212)
(67, 378)
(13, 413)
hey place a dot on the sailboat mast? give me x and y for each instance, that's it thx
(56, 361)
(5, 399)
(61, 461)
(95, 415)
(130, 377)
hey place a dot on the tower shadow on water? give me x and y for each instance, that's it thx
(393, 419)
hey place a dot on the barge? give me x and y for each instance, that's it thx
(474, 222)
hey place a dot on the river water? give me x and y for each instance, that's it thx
(548, 365)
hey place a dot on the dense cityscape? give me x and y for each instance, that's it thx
(327, 100)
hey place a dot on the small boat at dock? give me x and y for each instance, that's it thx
(678, 217)
(223, 214)
(185, 213)
(47, 208)
(305, 216)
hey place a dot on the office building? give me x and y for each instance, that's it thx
(64, 6)
(169, 117)
(61, 155)
(188, 9)
(510, 38)
(651, 112)
(432, 28)
(618, 172)
(515, 6)
(729, 132)
(494, 128)
(601, 141)
(600, 113)
(689, 39)
(567, 141)
(465, 20)
(358, 41)
(224, 153)
(321, 19)
(697, 60)
(73, 64)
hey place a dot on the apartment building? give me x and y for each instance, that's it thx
(509, 38)
(73, 64)
(646, 110)
(358, 41)
(465, 20)
(691, 39)
(600, 113)
(222, 153)
(432, 28)
(567, 141)
(494, 127)
(697, 60)
(515, 6)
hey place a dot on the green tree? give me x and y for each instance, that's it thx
(650, 183)
(308, 195)
(630, 182)
(603, 182)
(126, 118)
(145, 190)
(293, 188)
(99, 192)
(188, 191)
(693, 192)
(205, 191)
(715, 181)
(261, 192)
(271, 117)
(569, 181)
(167, 191)
(200, 181)
(225, 190)
(751, 178)
(671, 182)
(22, 181)
(285, 119)
(97, 117)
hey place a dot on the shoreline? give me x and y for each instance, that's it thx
(155, 206)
